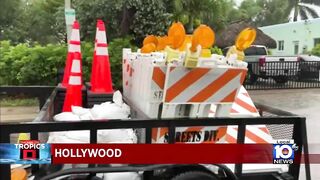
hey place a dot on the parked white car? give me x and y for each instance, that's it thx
(262, 65)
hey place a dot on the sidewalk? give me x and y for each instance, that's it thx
(18, 114)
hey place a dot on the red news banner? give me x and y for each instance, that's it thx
(161, 153)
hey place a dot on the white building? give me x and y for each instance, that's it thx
(294, 37)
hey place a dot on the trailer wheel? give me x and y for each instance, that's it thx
(195, 175)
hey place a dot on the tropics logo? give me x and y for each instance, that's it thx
(26, 152)
(29, 149)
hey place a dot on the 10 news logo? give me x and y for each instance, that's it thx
(283, 151)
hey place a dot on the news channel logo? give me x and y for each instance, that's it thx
(283, 151)
(26, 152)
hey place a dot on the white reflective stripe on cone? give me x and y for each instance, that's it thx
(75, 67)
(75, 80)
(102, 51)
(74, 48)
(75, 35)
(101, 37)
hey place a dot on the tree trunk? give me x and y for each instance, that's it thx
(127, 18)
(190, 25)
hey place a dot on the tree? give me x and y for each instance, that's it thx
(150, 17)
(261, 12)
(300, 7)
(34, 21)
(123, 17)
(188, 11)
(40, 21)
(272, 12)
(87, 12)
(9, 19)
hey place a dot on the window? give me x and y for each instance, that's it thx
(280, 45)
(253, 50)
(316, 41)
(296, 47)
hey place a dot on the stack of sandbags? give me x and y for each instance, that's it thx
(105, 111)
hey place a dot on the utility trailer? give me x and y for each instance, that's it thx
(277, 121)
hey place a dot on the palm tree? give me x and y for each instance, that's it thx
(191, 10)
(300, 7)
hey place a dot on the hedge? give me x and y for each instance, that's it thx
(316, 50)
(38, 65)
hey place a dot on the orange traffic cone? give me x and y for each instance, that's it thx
(94, 60)
(73, 46)
(101, 81)
(74, 92)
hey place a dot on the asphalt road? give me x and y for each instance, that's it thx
(304, 102)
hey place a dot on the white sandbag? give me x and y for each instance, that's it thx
(117, 135)
(122, 175)
(58, 133)
(117, 98)
(66, 116)
(64, 139)
(86, 116)
(77, 110)
(83, 136)
(109, 111)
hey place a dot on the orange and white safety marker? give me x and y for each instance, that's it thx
(202, 85)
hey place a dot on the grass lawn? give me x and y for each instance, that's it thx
(12, 102)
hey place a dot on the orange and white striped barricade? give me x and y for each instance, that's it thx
(127, 58)
(255, 134)
(201, 86)
(190, 135)
(198, 88)
(242, 106)
(147, 82)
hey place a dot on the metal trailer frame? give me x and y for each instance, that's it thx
(44, 123)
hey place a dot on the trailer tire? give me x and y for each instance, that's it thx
(195, 175)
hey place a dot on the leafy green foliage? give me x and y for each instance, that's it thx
(135, 17)
(150, 18)
(216, 50)
(35, 20)
(87, 12)
(38, 65)
(115, 53)
(316, 50)
(272, 12)
(25, 65)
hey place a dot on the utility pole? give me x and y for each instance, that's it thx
(68, 14)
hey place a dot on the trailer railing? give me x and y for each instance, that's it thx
(44, 124)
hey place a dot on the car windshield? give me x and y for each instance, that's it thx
(251, 51)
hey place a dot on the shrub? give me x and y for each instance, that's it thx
(25, 65)
(38, 65)
(216, 50)
(316, 50)
(115, 53)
